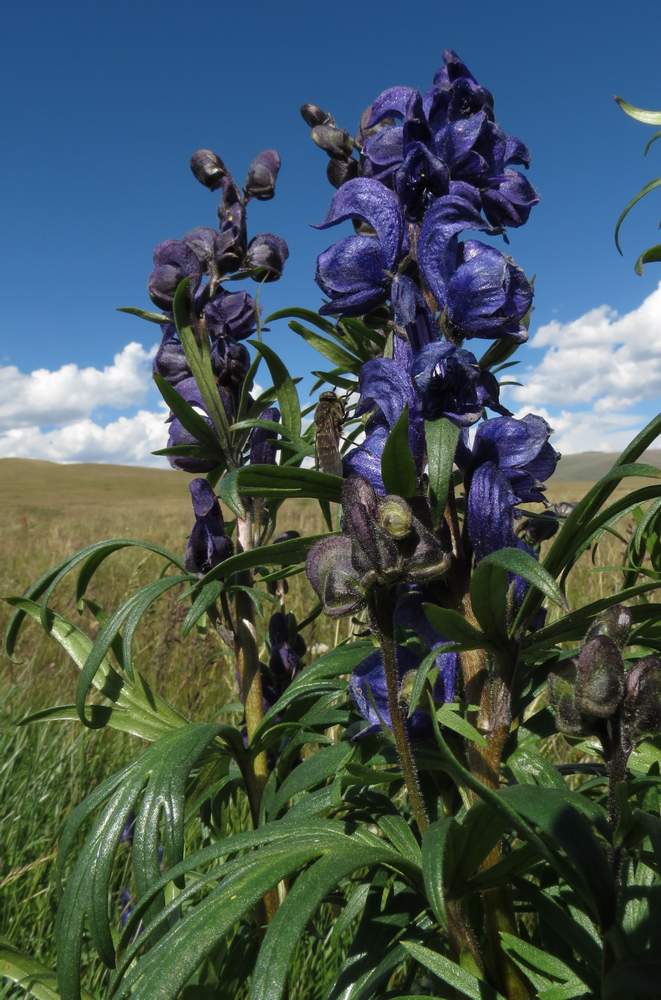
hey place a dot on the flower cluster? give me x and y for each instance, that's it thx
(207, 257)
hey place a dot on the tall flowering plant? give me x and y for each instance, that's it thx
(404, 781)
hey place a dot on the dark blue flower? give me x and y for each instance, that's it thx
(231, 314)
(262, 444)
(451, 384)
(230, 361)
(174, 260)
(510, 461)
(409, 614)
(286, 646)
(189, 390)
(386, 388)
(456, 93)
(170, 360)
(208, 544)
(508, 198)
(266, 256)
(412, 313)
(262, 174)
(356, 272)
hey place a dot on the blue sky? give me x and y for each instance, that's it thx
(105, 102)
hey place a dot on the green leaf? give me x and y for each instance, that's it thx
(441, 437)
(455, 721)
(151, 317)
(285, 388)
(278, 554)
(338, 355)
(279, 482)
(440, 846)
(205, 598)
(307, 314)
(190, 418)
(199, 360)
(161, 770)
(452, 974)
(309, 891)
(650, 186)
(400, 835)
(640, 114)
(562, 548)
(454, 627)
(398, 469)
(313, 771)
(489, 586)
(31, 976)
(650, 256)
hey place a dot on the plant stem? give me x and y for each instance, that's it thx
(381, 609)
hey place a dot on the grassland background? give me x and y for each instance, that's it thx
(50, 511)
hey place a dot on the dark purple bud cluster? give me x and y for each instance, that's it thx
(208, 544)
(622, 706)
(383, 543)
(286, 648)
(206, 257)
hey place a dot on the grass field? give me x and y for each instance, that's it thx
(49, 512)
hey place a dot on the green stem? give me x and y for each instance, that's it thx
(381, 608)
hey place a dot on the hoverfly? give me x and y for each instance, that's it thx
(328, 419)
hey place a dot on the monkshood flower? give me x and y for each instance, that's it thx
(231, 314)
(170, 360)
(208, 168)
(383, 543)
(263, 449)
(174, 260)
(208, 544)
(230, 361)
(456, 93)
(266, 256)
(409, 614)
(450, 383)
(482, 293)
(287, 647)
(367, 687)
(386, 388)
(509, 463)
(356, 272)
(178, 435)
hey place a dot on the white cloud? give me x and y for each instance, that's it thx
(125, 441)
(595, 369)
(58, 398)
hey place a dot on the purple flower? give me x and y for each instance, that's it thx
(451, 384)
(208, 168)
(230, 361)
(367, 686)
(208, 544)
(483, 293)
(508, 199)
(386, 388)
(262, 445)
(420, 179)
(409, 614)
(286, 646)
(189, 390)
(456, 93)
(356, 272)
(231, 314)
(266, 256)
(174, 260)
(511, 459)
(170, 360)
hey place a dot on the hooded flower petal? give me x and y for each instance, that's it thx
(353, 275)
(508, 199)
(369, 200)
(262, 447)
(262, 175)
(231, 314)
(174, 260)
(330, 571)
(391, 102)
(170, 360)
(487, 295)
(451, 384)
(208, 545)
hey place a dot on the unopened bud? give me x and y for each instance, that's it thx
(262, 175)
(563, 704)
(208, 168)
(395, 517)
(335, 141)
(339, 171)
(642, 701)
(599, 678)
(313, 115)
(266, 256)
(615, 623)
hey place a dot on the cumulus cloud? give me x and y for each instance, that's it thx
(595, 371)
(70, 394)
(125, 441)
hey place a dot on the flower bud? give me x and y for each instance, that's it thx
(395, 517)
(208, 544)
(329, 569)
(230, 362)
(266, 257)
(599, 678)
(262, 174)
(313, 115)
(170, 361)
(339, 171)
(642, 700)
(231, 314)
(335, 141)
(208, 168)
(615, 622)
(262, 447)
(563, 704)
